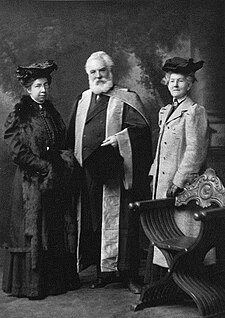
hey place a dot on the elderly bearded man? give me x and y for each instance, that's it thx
(111, 139)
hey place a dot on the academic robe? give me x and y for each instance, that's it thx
(105, 196)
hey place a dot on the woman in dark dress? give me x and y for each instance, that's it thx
(40, 260)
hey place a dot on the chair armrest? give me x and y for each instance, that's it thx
(151, 204)
(210, 214)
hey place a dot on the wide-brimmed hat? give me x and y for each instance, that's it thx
(182, 66)
(27, 74)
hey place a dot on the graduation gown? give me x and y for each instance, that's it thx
(105, 195)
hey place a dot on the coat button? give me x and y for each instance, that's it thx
(165, 142)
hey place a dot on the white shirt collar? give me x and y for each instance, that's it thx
(180, 100)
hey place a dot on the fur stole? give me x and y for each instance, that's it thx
(27, 108)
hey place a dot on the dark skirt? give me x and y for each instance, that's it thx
(42, 263)
(54, 274)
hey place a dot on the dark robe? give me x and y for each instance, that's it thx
(105, 169)
(41, 255)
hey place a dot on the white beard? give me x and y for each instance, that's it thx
(100, 86)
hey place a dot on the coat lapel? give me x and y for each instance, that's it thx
(165, 111)
(100, 106)
(183, 107)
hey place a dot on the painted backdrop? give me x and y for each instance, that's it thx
(139, 35)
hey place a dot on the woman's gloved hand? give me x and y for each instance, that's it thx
(173, 191)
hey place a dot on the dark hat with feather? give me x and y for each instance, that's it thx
(27, 74)
(182, 66)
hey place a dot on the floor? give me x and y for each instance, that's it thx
(112, 301)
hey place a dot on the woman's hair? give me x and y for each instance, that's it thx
(27, 84)
(100, 55)
(190, 78)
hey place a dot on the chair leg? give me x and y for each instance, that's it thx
(148, 267)
(164, 291)
(207, 293)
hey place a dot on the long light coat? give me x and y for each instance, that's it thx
(180, 154)
(182, 146)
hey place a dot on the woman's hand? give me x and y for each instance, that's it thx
(173, 191)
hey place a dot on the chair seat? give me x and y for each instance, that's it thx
(177, 244)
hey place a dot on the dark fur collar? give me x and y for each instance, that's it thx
(28, 108)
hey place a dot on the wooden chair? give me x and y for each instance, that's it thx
(187, 273)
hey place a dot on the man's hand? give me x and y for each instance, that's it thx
(111, 140)
(173, 191)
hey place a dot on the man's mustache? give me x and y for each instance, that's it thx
(101, 81)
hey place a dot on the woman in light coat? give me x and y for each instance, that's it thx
(183, 137)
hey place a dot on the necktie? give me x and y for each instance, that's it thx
(175, 103)
(93, 103)
(174, 106)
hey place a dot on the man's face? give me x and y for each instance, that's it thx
(178, 85)
(39, 90)
(100, 77)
